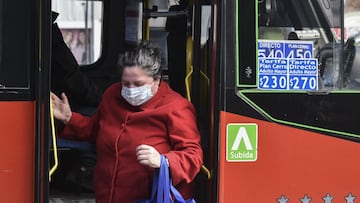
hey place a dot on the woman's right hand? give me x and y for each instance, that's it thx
(61, 108)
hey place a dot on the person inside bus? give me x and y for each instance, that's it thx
(67, 77)
(84, 97)
(138, 119)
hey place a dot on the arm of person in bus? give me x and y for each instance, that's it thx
(186, 157)
(76, 126)
(61, 108)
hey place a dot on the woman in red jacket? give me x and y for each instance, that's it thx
(138, 119)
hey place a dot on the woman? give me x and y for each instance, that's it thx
(138, 119)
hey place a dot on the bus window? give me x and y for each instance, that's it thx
(15, 59)
(81, 25)
(316, 27)
(351, 20)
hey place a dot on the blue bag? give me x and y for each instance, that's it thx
(162, 190)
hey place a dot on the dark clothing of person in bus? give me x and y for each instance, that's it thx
(137, 120)
(66, 75)
(84, 96)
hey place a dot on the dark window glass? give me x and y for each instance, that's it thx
(15, 44)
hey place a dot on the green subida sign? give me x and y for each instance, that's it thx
(241, 142)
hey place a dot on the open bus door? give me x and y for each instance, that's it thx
(24, 97)
(288, 100)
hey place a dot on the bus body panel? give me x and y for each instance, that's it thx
(293, 165)
(17, 145)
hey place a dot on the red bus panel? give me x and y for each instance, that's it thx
(292, 165)
(17, 147)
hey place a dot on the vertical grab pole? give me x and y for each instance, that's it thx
(52, 170)
(146, 33)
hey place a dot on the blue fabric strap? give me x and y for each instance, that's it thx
(162, 190)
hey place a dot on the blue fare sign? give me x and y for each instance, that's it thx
(299, 50)
(287, 65)
(271, 49)
(288, 74)
(273, 73)
(285, 49)
(303, 74)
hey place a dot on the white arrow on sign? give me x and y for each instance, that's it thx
(242, 135)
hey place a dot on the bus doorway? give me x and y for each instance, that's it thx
(108, 29)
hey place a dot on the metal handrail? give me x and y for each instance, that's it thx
(56, 160)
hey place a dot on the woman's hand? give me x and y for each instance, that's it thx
(61, 108)
(148, 156)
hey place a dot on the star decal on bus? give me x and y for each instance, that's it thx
(306, 199)
(283, 199)
(350, 198)
(328, 198)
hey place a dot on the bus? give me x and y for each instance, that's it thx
(275, 84)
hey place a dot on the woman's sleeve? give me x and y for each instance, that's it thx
(186, 156)
(81, 128)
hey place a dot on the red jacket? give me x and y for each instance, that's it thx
(167, 122)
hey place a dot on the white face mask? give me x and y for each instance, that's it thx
(137, 95)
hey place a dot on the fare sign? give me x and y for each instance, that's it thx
(287, 65)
